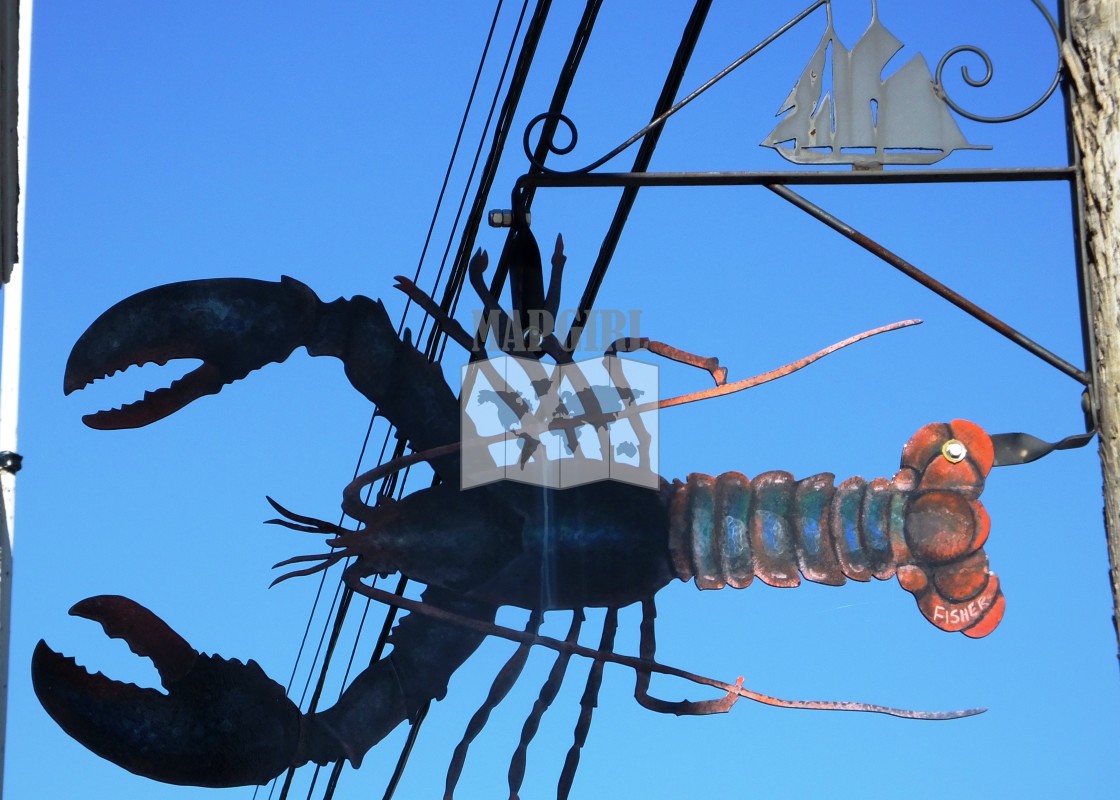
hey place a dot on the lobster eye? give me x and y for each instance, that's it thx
(954, 451)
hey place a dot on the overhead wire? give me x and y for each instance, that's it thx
(436, 343)
(434, 349)
(331, 613)
(474, 221)
(559, 99)
(388, 486)
(531, 39)
(455, 153)
(642, 160)
(453, 289)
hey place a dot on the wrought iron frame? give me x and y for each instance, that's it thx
(542, 176)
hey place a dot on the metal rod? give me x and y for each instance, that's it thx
(938, 288)
(793, 178)
(1080, 237)
(563, 88)
(665, 111)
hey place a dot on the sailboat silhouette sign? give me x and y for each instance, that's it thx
(864, 120)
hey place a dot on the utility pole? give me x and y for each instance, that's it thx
(1092, 57)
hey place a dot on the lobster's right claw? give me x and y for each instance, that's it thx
(234, 325)
(945, 526)
(221, 723)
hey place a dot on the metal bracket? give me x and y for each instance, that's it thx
(1022, 448)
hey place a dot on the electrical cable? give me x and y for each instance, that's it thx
(559, 99)
(501, 134)
(641, 164)
(454, 154)
(470, 232)
(340, 617)
(332, 783)
(435, 346)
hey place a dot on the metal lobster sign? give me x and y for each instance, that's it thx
(607, 544)
(548, 542)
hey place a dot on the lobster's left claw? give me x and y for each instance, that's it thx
(221, 723)
(235, 325)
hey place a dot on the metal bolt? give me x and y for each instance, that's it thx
(503, 218)
(954, 451)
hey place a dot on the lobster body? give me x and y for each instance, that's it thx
(527, 546)
(541, 549)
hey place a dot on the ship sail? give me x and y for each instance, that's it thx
(802, 123)
(865, 120)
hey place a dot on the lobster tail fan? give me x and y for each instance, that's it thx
(945, 527)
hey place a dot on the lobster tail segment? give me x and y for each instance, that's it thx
(926, 526)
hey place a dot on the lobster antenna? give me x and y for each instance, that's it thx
(326, 560)
(774, 374)
(299, 522)
(352, 493)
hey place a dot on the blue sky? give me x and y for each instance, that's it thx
(180, 141)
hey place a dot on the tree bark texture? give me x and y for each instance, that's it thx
(1093, 63)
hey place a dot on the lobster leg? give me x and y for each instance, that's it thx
(646, 648)
(504, 681)
(709, 364)
(430, 307)
(544, 700)
(223, 723)
(588, 702)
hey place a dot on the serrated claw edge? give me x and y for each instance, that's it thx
(221, 723)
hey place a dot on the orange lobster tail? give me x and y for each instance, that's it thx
(944, 467)
(926, 526)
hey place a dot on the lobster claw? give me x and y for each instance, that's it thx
(221, 723)
(234, 325)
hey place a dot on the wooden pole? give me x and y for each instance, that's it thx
(1092, 58)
